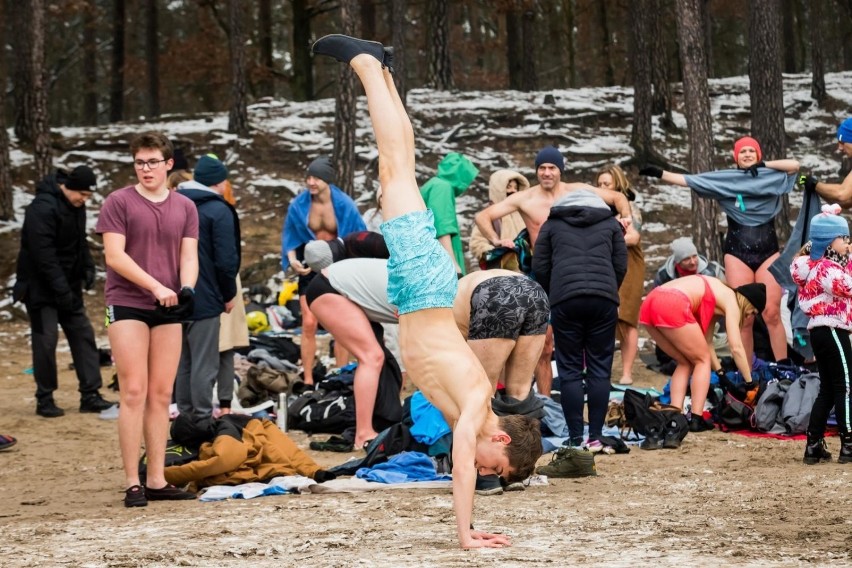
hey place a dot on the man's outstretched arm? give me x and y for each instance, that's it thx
(840, 193)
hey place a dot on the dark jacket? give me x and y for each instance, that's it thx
(54, 258)
(580, 251)
(218, 250)
(668, 272)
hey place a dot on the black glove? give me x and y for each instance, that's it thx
(752, 169)
(741, 390)
(184, 307)
(322, 476)
(651, 171)
(808, 183)
(90, 279)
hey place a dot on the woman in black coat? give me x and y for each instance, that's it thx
(580, 259)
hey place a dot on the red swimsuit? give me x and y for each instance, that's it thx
(669, 307)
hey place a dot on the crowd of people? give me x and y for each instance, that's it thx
(563, 277)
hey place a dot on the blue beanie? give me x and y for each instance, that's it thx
(826, 227)
(550, 155)
(210, 170)
(844, 131)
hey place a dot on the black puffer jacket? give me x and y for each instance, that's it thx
(54, 257)
(580, 251)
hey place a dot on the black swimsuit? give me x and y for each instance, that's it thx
(752, 245)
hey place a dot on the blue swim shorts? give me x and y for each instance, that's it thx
(420, 272)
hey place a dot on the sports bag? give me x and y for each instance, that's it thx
(649, 417)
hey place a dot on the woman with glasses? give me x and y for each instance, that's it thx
(151, 249)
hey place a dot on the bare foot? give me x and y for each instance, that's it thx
(364, 438)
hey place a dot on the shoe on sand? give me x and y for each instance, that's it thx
(134, 496)
(168, 493)
(6, 442)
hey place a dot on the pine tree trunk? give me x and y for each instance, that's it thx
(606, 50)
(514, 44)
(440, 69)
(266, 85)
(815, 23)
(238, 115)
(530, 77)
(641, 15)
(344, 109)
(302, 82)
(116, 89)
(90, 64)
(766, 90)
(7, 210)
(399, 26)
(152, 57)
(23, 79)
(690, 32)
(660, 78)
(572, 48)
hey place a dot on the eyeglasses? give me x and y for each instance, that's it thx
(152, 164)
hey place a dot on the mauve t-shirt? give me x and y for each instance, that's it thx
(153, 234)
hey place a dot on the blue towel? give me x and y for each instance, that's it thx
(429, 424)
(402, 468)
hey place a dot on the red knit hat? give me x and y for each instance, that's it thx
(750, 142)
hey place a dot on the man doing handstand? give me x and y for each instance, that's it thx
(422, 284)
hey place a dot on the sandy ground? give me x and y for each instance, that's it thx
(721, 499)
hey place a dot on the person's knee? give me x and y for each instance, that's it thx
(373, 358)
(772, 316)
(309, 327)
(133, 396)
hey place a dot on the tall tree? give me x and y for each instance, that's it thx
(116, 88)
(344, 108)
(606, 47)
(302, 83)
(641, 16)
(440, 70)
(7, 209)
(399, 26)
(660, 77)
(152, 56)
(530, 77)
(815, 21)
(31, 125)
(238, 115)
(90, 63)
(690, 33)
(266, 85)
(766, 89)
(514, 43)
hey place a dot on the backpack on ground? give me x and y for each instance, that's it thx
(329, 412)
(647, 416)
(797, 405)
(767, 412)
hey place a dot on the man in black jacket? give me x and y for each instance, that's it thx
(215, 290)
(53, 265)
(580, 260)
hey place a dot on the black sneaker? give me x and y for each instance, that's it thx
(488, 485)
(168, 493)
(816, 452)
(345, 48)
(845, 449)
(697, 423)
(134, 496)
(94, 403)
(653, 440)
(48, 409)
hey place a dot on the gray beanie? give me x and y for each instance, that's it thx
(321, 254)
(323, 169)
(581, 198)
(682, 248)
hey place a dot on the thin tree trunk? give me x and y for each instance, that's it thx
(660, 78)
(116, 91)
(707, 26)
(368, 20)
(302, 83)
(530, 77)
(766, 90)
(266, 85)
(23, 80)
(606, 50)
(690, 32)
(90, 63)
(344, 109)
(7, 209)
(641, 15)
(815, 23)
(572, 48)
(238, 115)
(152, 57)
(514, 44)
(440, 69)
(399, 27)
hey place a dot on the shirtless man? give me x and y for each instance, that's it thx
(503, 315)
(534, 206)
(322, 212)
(839, 192)
(422, 284)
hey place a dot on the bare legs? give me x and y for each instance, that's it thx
(308, 340)
(688, 347)
(543, 368)
(629, 349)
(146, 362)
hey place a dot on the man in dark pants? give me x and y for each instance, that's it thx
(53, 265)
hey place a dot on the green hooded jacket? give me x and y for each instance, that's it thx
(455, 174)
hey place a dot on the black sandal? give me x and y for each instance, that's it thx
(134, 496)
(168, 493)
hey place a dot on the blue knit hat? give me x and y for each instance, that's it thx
(844, 131)
(550, 155)
(826, 227)
(210, 170)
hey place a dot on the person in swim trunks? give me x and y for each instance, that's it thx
(504, 317)
(422, 284)
(751, 196)
(679, 317)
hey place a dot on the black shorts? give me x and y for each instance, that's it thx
(319, 286)
(508, 307)
(151, 318)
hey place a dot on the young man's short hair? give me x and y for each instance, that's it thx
(153, 141)
(525, 449)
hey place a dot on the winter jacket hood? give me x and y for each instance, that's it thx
(581, 208)
(458, 171)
